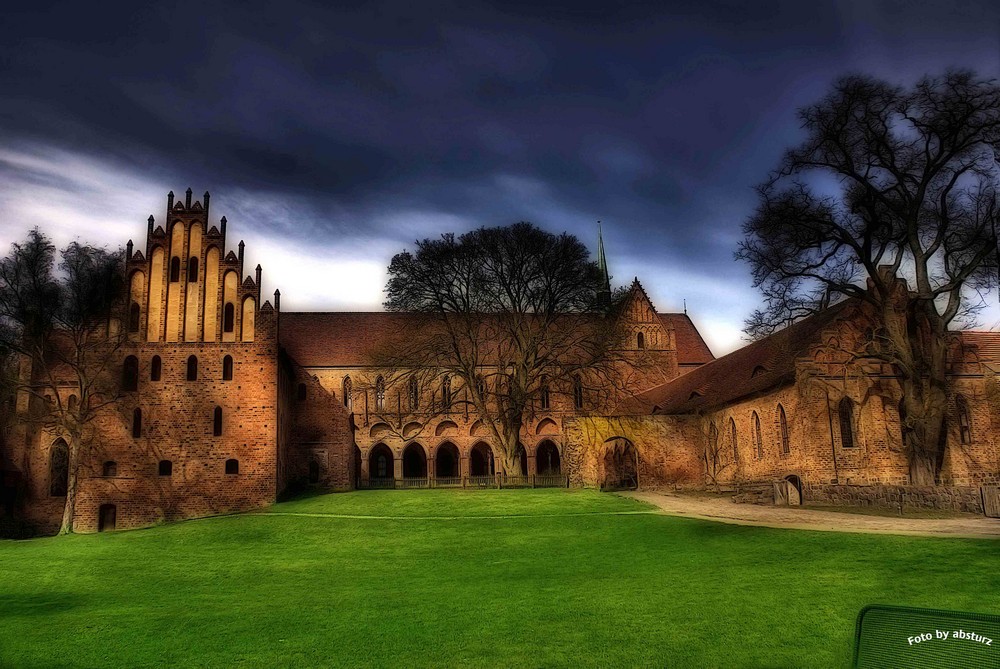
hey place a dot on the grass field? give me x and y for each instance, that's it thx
(451, 578)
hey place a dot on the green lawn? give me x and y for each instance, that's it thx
(452, 578)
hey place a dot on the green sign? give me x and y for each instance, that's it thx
(902, 637)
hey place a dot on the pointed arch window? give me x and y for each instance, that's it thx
(846, 411)
(380, 394)
(783, 431)
(133, 317)
(136, 423)
(58, 469)
(734, 438)
(544, 399)
(155, 368)
(577, 392)
(193, 270)
(217, 422)
(758, 442)
(446, 393)
(130, 374)
(964, 420)
(228, 317)
(640, 341)
(413, 387)
(175, 269)
(227, 368)
(347, 392)
(192, 368)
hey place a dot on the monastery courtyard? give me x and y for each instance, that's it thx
(484, 578)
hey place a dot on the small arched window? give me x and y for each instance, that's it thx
(130, 374)
(640, 340)
(734, 438)
(964, 420)
(193, 270)
(165, 468)
(347, 392)
(577, 392)
(227, 368)
(136, 423)
(232, 466)
(217, 422)
(228, 317)
(414, 393)
(59, 469)
(110, 468)
(846, 410)
(301, 393)
(175, 269)
(133, 317)
(380, 394)
(783, 431)
(544, 400)
(481, 386)
(155, 368)
(192, 368)
(758, 442)
(446, 393)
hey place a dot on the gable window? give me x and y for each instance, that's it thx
(227, 368)
(846, 410)
(155, 368)
(964, 420)
(783, 431)
(640, 341)
(192, 368)
(165, 468)
(217, 422)
(232, 466)
(446, 393)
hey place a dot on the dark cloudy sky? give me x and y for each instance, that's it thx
(332, 135)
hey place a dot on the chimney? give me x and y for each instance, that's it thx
(205, 202)
(170, 200)
(187, 199)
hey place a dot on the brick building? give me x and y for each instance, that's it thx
(226, 402)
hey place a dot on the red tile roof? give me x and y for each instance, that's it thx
(756, 367)
(348, 338)
(987, 344)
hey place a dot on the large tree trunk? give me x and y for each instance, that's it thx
(69, 510)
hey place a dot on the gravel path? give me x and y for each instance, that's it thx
(723, 510)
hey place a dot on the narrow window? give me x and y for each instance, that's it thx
(59, 469)
(136, 423)
(133, 317)
(446, 393)
(232, 466)
(217, 422)
(481, 386)
(347, 392)
(192, 368)
(964, 420)
(640, 341)
(380, 394)
(175, 269)
(783, 431)
(227, 368)
(228, 315)
(758, 443)
(543, 397)
(193, 270)
(846, 411)
(130, 374)
(166, 468)
(110, 468)
(577, 392)
(414, 387)
(301, 393)
(155, 368)
(735, 439)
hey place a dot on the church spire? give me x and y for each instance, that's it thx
(604, 292)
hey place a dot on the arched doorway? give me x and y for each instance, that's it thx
(380, 465)
(547, 459)
(620, 464)
(522, 457)
(481, 460)
(414, 462)
(794, 488)
(446, 462)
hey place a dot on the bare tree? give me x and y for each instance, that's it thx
(65, 328)
(889, 184)
(513, 316)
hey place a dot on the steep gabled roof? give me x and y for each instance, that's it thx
(691, 348)
(759, 366)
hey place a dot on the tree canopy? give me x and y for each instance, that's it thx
(890, 183)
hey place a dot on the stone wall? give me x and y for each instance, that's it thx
(949, 498)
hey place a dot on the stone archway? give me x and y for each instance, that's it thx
(619, 465)
(380, 463)
(447, 461)
(481, 462)
(547, 459)
(414, 461)
(794, 490)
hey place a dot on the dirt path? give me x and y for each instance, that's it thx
(723, 510)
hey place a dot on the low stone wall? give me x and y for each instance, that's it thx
(966, 498)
